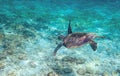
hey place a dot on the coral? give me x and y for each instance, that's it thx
(62, 68)
(27, 33)
(12, 73)
(68, 59)
(81, 71)
(52, 74)
(32, 64)
(80, 61)
(73, 60)
(22, 56)
(115, 73)
(67, 70)
(9, 52)
(90, 68)
(2, 65)
(106, 74)
(2, 56)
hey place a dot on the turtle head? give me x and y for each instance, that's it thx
(61, 37)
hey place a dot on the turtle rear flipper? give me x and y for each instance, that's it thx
(93, 45)
(56, 49)
(69, 28)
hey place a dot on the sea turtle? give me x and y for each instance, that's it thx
(76, 39)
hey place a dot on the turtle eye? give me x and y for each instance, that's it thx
(64, 44)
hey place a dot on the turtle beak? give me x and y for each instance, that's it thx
(60, 37)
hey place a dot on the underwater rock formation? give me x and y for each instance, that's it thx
(52, 74)
(32, 64)
(67, 70)
(2, 56)
(12, 73)
(80, 61)
(2, 65)
(62, 68)
(69, 59)
(22, 56)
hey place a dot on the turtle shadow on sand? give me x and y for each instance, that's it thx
(62, 68)
(65, 66)
(77, 39)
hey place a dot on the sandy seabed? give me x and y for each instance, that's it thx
(28, 37)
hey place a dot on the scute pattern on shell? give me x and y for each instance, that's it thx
(75, 40)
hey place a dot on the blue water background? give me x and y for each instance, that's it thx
(32, 27)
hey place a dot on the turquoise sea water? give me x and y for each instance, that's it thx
(29, 31)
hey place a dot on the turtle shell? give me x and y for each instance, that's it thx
(75, 40)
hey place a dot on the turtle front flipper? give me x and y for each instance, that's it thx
(56, 49)
(69, 28)
(93, 45)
